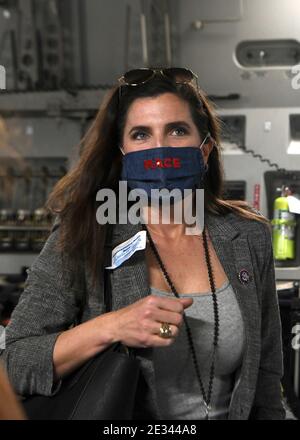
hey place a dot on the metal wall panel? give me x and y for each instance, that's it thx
(210, 50)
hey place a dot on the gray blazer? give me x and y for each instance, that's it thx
(50, 304)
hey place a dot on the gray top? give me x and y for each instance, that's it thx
(51, 303)
(176, 382)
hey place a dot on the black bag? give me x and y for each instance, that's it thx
(102, 389)
(105, 388)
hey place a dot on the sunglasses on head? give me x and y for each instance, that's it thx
(137, 77)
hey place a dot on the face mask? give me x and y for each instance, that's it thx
(165, 167)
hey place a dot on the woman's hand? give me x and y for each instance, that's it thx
(138, 325)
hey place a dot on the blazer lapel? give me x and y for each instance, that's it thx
(234, 254)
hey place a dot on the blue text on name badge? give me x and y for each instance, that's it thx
(125, 250)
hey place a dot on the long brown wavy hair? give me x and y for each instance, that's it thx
(74, 196)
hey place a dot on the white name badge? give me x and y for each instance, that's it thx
(125, 250)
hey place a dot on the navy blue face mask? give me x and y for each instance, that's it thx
(165, 167)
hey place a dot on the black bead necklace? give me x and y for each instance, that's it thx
(206, 397)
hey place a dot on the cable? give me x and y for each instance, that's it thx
(262, 159)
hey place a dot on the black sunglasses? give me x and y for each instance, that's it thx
(137, 77)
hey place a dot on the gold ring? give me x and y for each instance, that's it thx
(165, 330)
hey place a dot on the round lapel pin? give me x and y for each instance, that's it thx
(244, 276)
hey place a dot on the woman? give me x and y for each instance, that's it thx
(224, 278)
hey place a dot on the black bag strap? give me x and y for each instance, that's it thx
(106, 277)
(131, 351)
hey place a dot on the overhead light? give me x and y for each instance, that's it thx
(294, 147)
(197, 25)
(267, 54)
(6, 13)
